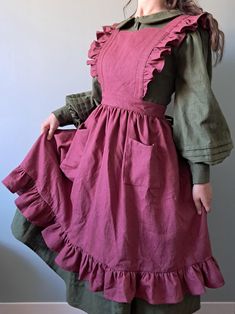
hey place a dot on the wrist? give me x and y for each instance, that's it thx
(63, 116)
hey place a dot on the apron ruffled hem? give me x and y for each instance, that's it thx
(117, 285)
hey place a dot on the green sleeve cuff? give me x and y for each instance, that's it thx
(63, 115)
(200, 172)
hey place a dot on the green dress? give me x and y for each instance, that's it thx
(196, 116)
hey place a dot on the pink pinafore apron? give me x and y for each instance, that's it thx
(113, 197)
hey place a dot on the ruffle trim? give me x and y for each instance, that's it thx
(156, 60)
(117, 285)
(96, 46)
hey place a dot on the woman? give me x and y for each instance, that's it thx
(118, 208)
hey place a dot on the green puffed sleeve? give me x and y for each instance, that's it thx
(200, 130)
(78, 106)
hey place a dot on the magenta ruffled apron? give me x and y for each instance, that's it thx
(113, 197)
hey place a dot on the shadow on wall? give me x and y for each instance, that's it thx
(20, 279)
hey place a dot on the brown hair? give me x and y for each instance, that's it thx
(189, 7)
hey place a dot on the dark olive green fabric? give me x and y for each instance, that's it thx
(77, 291)
(78, 106)
(200, 131)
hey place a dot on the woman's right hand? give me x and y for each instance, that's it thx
(202, 196)
(50, 125)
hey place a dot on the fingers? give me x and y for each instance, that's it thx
(198, 205)
(206, 198)
(202, 204)
(50, 133)
(206, 204)
(202, 196)
(50, 125)
(48, 128)
(44, 128)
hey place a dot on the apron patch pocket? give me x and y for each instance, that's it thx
(140, 164)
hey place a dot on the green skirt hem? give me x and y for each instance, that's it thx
(78, 294)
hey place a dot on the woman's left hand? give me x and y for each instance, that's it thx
(202, 196)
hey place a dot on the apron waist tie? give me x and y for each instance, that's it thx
(136, 105)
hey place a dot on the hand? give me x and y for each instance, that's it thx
(50, 125)
(202, 196)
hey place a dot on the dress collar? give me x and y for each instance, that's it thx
(151, 18)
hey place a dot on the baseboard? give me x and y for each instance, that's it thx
(38, 308)
(64, 308)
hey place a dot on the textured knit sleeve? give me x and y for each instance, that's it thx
(78, 106)
(200, 130)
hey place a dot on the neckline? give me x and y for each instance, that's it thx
(149, 28)
(150, 15)
(153, 18)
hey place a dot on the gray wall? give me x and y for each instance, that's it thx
(43, 56)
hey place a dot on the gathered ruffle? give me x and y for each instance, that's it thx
(29, 201)
(156, 60)
(96, 46)
(117, 285)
